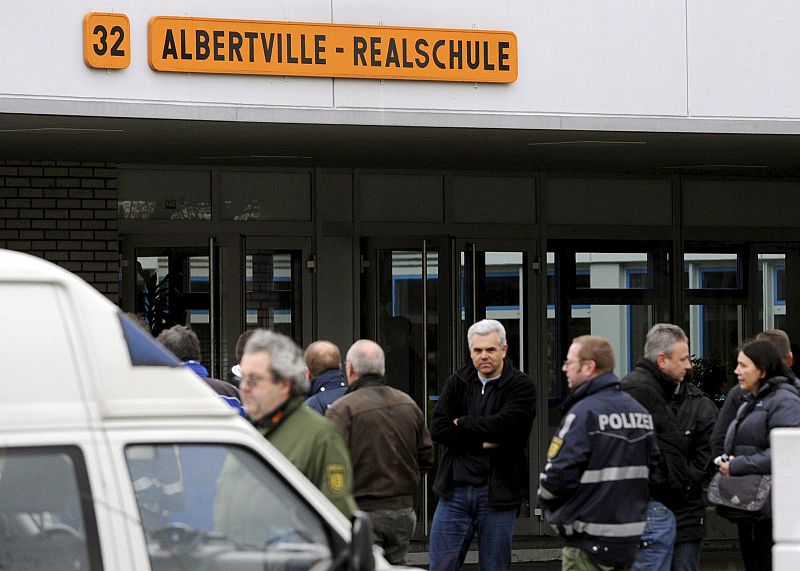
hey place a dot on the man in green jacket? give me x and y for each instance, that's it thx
(273, 388)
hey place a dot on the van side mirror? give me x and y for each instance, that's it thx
(361, 558)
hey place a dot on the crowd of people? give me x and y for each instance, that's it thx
(625, 474)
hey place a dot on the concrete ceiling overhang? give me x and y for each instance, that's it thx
(202, 142)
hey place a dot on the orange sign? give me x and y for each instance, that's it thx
(106, 40)
(204, 45)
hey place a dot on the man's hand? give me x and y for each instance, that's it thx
(488, 445)
(455, 421)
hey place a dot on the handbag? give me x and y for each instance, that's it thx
(741, 497)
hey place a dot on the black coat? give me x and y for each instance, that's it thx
(508, 425)
(654, 390)
(776, 405)
(696, 414)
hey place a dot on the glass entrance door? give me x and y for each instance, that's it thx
(174, 284)
(495, 281)
(406, 290)
(219, 286)
(421, 295)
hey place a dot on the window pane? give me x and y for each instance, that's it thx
(265, 196)
(273, 291)
(172, 288)
(715, 333)
(606, 270)
(164, 195)
(401, 329)
(208, 506)
(44, 525)
(771, 294)
(711, 271)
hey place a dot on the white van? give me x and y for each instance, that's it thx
(112, 455)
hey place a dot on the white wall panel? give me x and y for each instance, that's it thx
(42, 55)
(576, 56)
(744, 58)
(603, 64)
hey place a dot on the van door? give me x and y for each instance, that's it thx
(200, 499)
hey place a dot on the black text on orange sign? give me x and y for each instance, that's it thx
(270, 48)
(106, 40)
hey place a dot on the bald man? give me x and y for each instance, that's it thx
(389, 445)
(324, 370)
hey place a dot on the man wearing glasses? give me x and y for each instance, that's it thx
(594, 485)
(273, 388)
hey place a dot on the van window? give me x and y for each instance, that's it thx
(143, 349)
(216, 507)
(46, 513)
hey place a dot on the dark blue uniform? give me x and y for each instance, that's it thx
(594, 486)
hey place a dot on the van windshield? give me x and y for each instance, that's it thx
(142, 348)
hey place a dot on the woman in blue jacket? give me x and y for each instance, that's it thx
(771, 401)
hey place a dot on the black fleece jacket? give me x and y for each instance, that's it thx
(508, 424)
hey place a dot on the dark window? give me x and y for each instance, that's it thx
(46, 510)
(142, 348)
(218, 507)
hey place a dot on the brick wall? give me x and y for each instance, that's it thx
(64, 212)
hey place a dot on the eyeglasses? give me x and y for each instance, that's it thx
(567, 362)
(250, 383)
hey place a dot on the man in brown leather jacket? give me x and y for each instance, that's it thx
(389, 445)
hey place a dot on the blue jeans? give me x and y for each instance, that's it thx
(686, 556)
(658, 539)
(457, 518)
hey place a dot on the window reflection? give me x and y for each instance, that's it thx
(217, 507)
(272, 283)
(46, 516)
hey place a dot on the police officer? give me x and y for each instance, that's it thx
(273, 388)
(594, 486)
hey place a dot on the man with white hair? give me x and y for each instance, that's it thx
(389, 445)
(273, 388)
(482, 420)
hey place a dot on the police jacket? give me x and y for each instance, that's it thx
(325, 389)
(654, 389)
(776, 404)
(696, 416)
(595, 485)
(315, 446)
(508, 425)
(390, 446)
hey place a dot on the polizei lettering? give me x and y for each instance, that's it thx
(617, 420)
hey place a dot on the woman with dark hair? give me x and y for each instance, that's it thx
(771, 401)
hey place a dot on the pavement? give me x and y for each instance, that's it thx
(712, 558)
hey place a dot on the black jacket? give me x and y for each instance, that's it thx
(654, 390)
(776, 405)
(508, 425)
(696, 414)
(594, 487)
